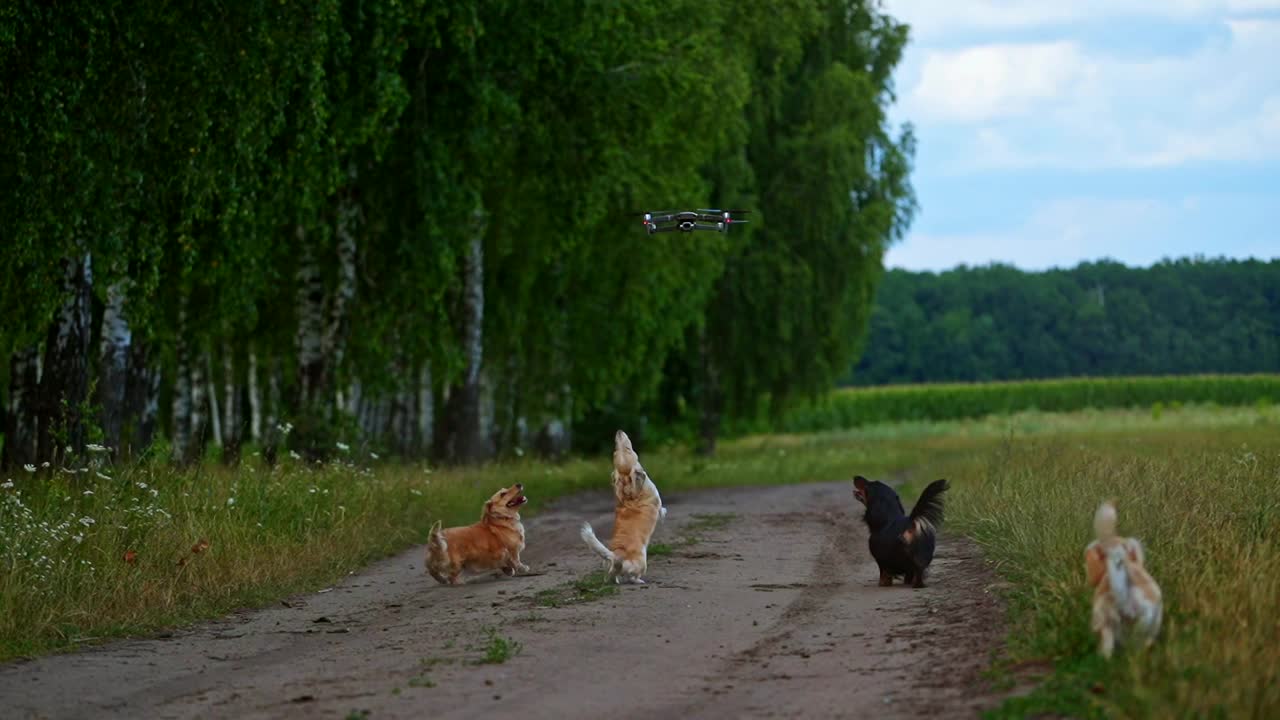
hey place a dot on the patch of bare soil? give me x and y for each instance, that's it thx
(767, 606)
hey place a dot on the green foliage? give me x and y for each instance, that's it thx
(206, 153)
(1000, 323)
(859, 407)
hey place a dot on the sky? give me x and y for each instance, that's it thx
(1052, 132)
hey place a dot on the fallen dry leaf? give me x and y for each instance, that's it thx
(200, 546)
(130, 557)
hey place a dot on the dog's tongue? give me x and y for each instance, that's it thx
(518, 501)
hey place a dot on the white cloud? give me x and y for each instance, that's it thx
(990, 81)
(1017, 105)
(931, 20)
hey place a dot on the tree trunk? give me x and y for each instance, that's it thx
(711, 401)
(255, 398)
(231, 421)
(64, 385)
(310, 336)
(117, 341)
(143, 398)
(21, 421)
(215, 417)
(335, 334)
(464, 438)
(271, 432)
(426, 410)
(180, 436)
(199, 420)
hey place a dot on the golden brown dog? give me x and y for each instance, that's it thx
(637, 510)
(1124, 593)
(491, 544)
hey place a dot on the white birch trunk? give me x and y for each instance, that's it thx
(349, 217)
(117, 340)
(310, 335)
(64, 384)
(255, 398)
(215, 417)
(195, 450)
(230, 398)
(180, 436)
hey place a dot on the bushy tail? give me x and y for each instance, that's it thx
(589, 537)
(1104, 521)
(926, 516)
(436, 544)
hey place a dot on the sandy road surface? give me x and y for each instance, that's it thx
(773, 611)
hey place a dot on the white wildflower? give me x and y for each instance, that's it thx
(231, 501)
(104, 476)
(6, 484)
(87, 493)
(78, 538)
(86, 521)
(312, 490)
(343, 447)
(373, 455)
(95, 448)
(141, 485)
(415, 491)
(294, 454)
(155, 492)
(29, 468)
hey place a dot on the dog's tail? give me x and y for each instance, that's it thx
(1104, 521)
(926, 516)
(589, 537)
(436, 544)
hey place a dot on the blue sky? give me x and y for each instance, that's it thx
(1052, 132)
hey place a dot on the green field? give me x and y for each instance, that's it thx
(858, 407)
(1200, 486)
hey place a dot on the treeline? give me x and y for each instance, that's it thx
(403, 225)
(1097, 319)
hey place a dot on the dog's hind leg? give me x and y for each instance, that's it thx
(1106, 642)
(886, 579)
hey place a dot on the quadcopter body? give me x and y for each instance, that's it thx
(691, 220)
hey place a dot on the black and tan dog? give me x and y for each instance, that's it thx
(901, 544)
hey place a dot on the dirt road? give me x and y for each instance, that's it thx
(767, 606)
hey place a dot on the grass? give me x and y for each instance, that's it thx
(856, 407)
(1205, 504)
(1199, 485)
(498, 649)
(592, 586)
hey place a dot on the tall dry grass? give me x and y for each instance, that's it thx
(1205, 504)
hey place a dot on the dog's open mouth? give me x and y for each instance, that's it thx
(861, 496)
(517, 501)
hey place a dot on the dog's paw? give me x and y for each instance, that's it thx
(522, 568)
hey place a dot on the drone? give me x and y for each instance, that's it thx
(690, 220)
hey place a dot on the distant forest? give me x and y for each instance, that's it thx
(1099, 319)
